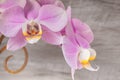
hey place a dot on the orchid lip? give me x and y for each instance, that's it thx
(32, 32)
(84, 56)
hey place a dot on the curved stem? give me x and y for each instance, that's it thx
(23, 66)
(3, 49)
(1, 38)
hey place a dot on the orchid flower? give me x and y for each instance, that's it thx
(31, 23)
(57, 38)
(76, 45)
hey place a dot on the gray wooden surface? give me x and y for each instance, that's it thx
(46, 62)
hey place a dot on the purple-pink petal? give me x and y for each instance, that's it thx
(70, 52)
(69, 31)
(54, 38)
(17, 42)
(14, 15)
(69, 13)
(69, 28)
(53, 17)
(5, 4)
(53, 2)
(81, 41)
(45, 2)
(8, 31)
(11, 21)
(83, 30)
(31, 9)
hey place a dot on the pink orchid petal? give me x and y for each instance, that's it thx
(69, 31)
(53, 2)
(55, 18)
(69, 28)
(21, 3)
(81, 41)
(45, 2)
(83, 30)
(31, 9)
(69, 13)
(8, 31)
(51, 37)
(16, 42)
(11, 21)
(70, 52)
(5, 4)
(14, 15)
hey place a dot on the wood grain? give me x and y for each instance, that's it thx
(46, 61)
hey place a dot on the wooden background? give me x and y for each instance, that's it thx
(46, 62)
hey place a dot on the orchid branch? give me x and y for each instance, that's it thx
(1, 38)
(9, 57)
(23, 66)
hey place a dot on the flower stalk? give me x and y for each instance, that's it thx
(1, 38)
(22, 67)
(9, 57)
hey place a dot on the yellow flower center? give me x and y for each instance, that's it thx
(83, 62)
(32, 32)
